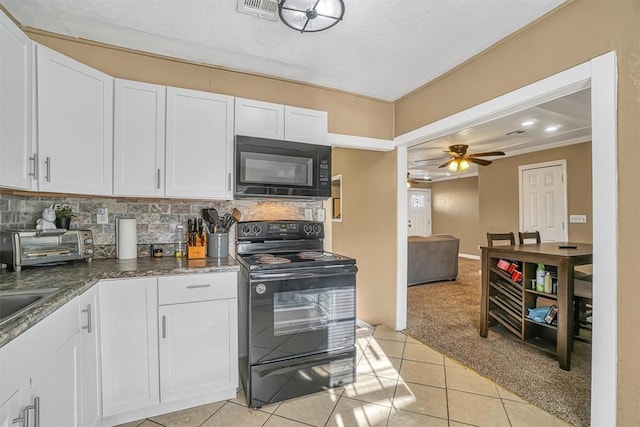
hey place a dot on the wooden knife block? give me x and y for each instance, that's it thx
(199, 250)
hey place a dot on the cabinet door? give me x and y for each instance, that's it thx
(304, 125)
(261, 119)
(129, 345)
(198, 348)
(199, 142)
(75, 125)
(56, 393)
(15, 106)
(11, 409)
(89, 364)
(138, 139)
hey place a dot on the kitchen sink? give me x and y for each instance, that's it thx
(14, 303)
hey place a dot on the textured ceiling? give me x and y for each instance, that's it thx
(382, 49)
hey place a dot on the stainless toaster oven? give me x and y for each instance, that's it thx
(20, 248)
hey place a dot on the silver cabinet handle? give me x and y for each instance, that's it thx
(198, 286)
(21, 419)
(88, 311)
(229, 182)
(158, 179)
(164, 326)
(34, 159)
(47, 175)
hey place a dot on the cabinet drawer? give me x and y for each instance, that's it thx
(197, 287)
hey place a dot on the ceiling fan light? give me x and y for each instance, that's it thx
(308, 16)
(453, 166)
(463, 165)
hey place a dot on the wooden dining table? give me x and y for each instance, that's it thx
(564, 256)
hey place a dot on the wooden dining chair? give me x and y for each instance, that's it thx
(528, 235)
(501, 237)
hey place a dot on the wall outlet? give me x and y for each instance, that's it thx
(320, 215)
(581, 219)
(102, 216)
(308, 214)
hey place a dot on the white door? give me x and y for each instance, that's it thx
(58, 390)
(197, 348)
(75, 125)
(15, 106)
(543, 205)
(199, 144)
(304, 125)
(90, 364)
(257, 118)
(419, 212)
(138, 139)
(129, 345)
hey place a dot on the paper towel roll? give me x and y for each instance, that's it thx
(126, 238)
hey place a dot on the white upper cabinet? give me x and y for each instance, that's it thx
(75, 125)
(199, 144)
(304, 125)
(261, 119)
(138, 139)
(16, 59)
(276, 121)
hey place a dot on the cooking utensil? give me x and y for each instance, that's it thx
(227, 220)
(236, 215)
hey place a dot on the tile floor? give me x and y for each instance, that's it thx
(401, 382)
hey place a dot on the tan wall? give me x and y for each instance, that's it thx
(499, 210)
(368, 228)
(454, 210)
(581, 30)
(348, 114)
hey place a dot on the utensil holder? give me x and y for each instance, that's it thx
(218, 245)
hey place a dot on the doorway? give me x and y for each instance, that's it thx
(419, 223)
(543, 200)
(600, 74)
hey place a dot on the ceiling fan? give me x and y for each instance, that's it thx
(460, 160)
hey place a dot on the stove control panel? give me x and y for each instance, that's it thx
(280, 230)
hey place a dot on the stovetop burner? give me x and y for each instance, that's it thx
(284, 244)
(272, 260)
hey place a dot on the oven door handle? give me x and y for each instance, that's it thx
(296, 367)
(294, 275)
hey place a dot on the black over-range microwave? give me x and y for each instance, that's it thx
(274, 168)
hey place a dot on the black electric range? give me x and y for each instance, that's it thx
(297, 312)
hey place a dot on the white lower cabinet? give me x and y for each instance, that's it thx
(198, 339)
(41, 376)
(129, 345)
(90, 367)
(167, 343)
(56, 393)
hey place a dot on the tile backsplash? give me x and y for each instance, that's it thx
(156, 218)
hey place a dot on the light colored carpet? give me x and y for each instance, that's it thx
(446, 316)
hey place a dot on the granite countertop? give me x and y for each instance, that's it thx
(74, 278)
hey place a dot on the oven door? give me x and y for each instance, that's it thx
(294, 313)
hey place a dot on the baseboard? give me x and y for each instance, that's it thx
(469, 256)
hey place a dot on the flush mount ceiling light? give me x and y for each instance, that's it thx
(309, 16)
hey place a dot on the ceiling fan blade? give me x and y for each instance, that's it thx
(488, 153)
(446, 164)
(480, 162)
(453, 153)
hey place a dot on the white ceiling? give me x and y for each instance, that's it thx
(571, 115)
(382, 49)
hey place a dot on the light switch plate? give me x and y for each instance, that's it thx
(580, 219)
(308, 214)
(102, 216)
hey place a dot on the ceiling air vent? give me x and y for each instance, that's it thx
(263, 9)
(516, 132)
